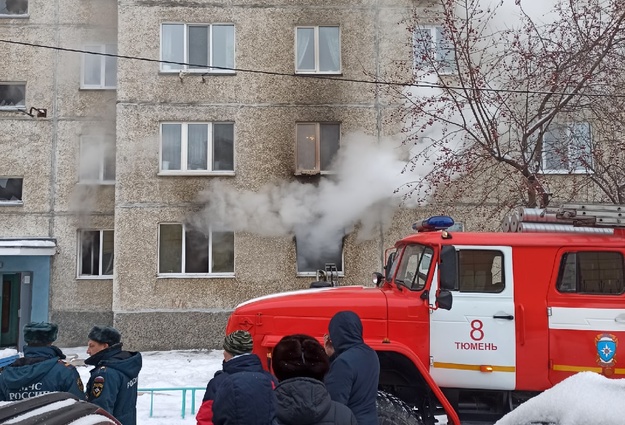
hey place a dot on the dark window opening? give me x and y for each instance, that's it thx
(13, 7)
(598, 273)
(11, 189)
(12, 95)
(313, 256)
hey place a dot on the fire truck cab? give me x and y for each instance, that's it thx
(472, 324)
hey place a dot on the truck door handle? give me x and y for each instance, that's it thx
(620, 318)
(503, 316)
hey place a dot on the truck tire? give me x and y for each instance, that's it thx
(394, 411)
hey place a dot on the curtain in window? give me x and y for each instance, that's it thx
(223, 147)
(172, 46)
(92, 67)
(197, 147)
(171, 146)
(223, 46)
(110, 67)
(305, 49)
(306, 148)
(90, 253)
(198, 46)
(107, 252)
(329, 49)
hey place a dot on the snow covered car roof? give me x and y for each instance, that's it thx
(55, 408)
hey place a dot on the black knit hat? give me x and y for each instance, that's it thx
(40, 333)
(299, 356)
(238, 342)
(105, 335)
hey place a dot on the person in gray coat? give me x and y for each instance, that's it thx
(300, 363)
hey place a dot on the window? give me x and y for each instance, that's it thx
(202, 47)
(97, 159)
(12, 96)
(318, 50)
(433, 50)
(13, 7)
(96, 253)
(187, 251)
(311, 257)
(316, 146)
(414, 267)
(598, 273)
(11, 190)
(197, 147)
(480, 271)
(99, 72)
(567, 148)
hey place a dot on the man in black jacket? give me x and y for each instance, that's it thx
(355, 369)
(113, 382)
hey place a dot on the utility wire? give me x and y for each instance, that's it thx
(319, 77)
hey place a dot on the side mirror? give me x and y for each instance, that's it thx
(448, 268)
(444, 299)
(377, 278)
(389, 264)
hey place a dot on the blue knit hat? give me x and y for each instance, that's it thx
(40, 332)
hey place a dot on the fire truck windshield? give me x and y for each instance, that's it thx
(414, 266)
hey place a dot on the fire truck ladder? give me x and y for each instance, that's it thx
(569, 218)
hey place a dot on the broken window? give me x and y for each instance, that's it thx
(313, 254)
(96, 253)
(13, 7)
(12, 95)
(11, 190)
(98, 71)
(197, 147)
(318, 49)
(197, 47)
(183, 250)
(316, 146)
(97, 159)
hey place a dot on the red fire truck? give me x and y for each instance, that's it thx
(469, 325)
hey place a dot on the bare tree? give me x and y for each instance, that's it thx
(507, 103)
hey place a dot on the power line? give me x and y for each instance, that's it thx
(319, 77)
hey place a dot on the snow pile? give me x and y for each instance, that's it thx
(582, 399)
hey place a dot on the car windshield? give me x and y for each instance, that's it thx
(414, 266)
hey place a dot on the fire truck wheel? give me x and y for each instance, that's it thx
(394, 411)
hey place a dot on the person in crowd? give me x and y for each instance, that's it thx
(238, 358)
(113, 382)
(300, 364)
(42, 369)
(355, 368)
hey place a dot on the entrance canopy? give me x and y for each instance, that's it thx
(27, 246)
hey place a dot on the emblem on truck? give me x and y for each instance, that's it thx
(606, 349)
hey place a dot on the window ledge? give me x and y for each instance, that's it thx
(197, 72)
(195, 276)
(195, 173)
(566, 172)
(314, 275)
(335, 73)
(89, 277)
(97, 88)
(13, 108)
(11, 203)
(16, 16)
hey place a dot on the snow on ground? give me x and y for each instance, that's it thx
(167, 369)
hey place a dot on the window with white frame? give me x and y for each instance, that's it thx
(12, 96)
(318, 49)
(99, 71)
(13, 7)
(97, 159)
(95, 258)
(183, 250)
(433, 50)
(316, 146)
(197, 47)
(197, 147)
(11, 190)
(311, 257)
(567, 148)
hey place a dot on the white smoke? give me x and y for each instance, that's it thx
(367, 185)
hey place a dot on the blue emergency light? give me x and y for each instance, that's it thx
(437, 222)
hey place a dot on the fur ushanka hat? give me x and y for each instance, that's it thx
(299, 356)
(105, 335)
(40, 333)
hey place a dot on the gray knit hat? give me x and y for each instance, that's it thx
(238, 342)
